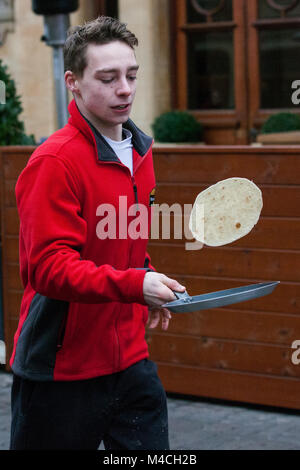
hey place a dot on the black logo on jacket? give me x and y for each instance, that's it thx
(152, 197)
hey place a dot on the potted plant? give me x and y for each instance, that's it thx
(177, 127)
(11, 127)
(281, 128)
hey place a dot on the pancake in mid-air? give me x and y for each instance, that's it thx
(226, 211)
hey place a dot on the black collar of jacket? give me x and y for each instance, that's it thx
(140, 141)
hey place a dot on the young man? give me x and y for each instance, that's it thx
(80, 360)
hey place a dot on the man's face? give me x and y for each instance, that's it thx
(105, 92)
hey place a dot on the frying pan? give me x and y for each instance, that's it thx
(186, 303)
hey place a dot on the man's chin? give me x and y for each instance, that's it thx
(123, 119)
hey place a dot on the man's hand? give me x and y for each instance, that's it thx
(158, 289)
(155, 314)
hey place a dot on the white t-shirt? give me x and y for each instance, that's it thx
(123, 148)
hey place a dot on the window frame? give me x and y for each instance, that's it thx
(106, 7)
(256, 114)
(236, 119)
(233, 126)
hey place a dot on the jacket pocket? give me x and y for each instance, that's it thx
(37, 344)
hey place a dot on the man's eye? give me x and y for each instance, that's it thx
(132, 78)
(109, 80)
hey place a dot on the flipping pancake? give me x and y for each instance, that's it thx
(226, 211)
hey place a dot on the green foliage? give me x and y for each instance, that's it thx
(177, 126)
(12, 130)
(281, 122)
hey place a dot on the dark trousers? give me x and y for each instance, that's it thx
(126, 410)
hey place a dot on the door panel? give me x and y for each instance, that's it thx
(211, 67)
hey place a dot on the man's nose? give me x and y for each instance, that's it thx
(124, 87)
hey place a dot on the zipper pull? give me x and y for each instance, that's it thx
(135, 194)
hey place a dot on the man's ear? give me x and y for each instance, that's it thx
(71, 82)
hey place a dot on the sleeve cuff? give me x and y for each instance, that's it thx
(135, 284)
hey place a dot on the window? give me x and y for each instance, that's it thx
(107, 7)
(235, 63)
(210, 71)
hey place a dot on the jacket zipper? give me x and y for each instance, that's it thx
(133, 179)
(137, 204)
(135, 192)
(118, 343)
(61, 333)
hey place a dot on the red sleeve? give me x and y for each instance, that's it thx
(54, 233)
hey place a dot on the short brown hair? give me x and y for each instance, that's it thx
(102, 30)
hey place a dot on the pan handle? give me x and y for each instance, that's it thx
(184, 296)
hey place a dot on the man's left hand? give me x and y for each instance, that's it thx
(157, 313)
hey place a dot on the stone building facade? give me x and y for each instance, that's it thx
(30, 60)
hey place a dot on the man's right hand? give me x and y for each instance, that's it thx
(157, 289)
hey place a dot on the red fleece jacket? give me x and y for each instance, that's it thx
(83, 312)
